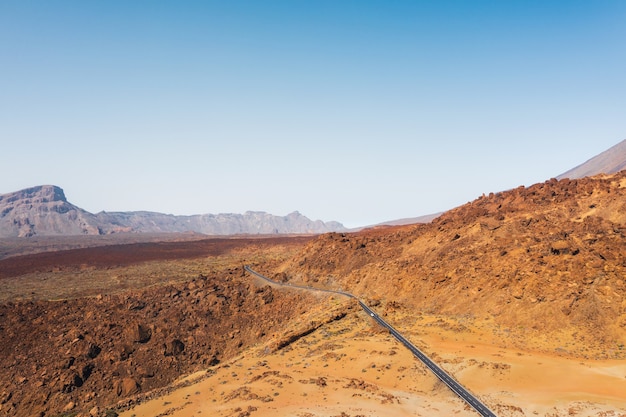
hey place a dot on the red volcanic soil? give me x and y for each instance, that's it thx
(131, 254)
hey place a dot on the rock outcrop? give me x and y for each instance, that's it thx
(43, 210)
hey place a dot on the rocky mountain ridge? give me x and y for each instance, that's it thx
(44, 211)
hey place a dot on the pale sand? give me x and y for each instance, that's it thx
(352, 367)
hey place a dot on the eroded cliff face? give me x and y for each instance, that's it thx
(547, 258)
(43, 210)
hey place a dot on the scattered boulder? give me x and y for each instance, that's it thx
(72, 381)
(563, 247)
(174, 347)
(86, 371)
(126, 386)
(93, 351)
(139, 333)
(69, 406)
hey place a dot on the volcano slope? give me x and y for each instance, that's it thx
(547, 261)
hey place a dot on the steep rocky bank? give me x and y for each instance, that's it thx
(547, 258)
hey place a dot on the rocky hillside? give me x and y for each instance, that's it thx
(546, 259)
(44, 211)
(59, 358)
(608, 162)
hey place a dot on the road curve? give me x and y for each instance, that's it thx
(443, 376)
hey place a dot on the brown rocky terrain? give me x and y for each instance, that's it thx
(17, 246)
(125, 335)
(520, 295)
(541, 260)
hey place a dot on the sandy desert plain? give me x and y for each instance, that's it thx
(350, 367)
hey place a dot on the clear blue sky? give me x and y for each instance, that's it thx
(355, 111)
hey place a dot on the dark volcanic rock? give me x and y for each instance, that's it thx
(174, 347)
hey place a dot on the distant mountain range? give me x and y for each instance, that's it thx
(44, 211)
